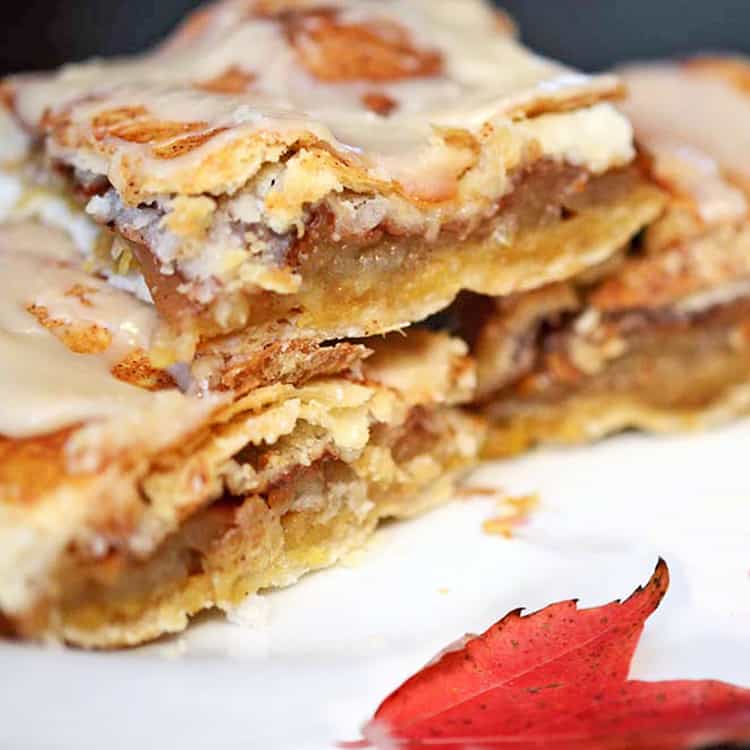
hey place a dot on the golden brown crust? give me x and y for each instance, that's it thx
(136, 125)
(379, 103)
(337, 52)
(662, 279)
(137, 369)
(306, 521)
(233, 80)
(81, 338)
(100, 524)
(233, 365)
(383, 48)
(586, 419)
(602, 371)
(33, 467)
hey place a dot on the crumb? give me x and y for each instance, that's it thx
(523, 503)
(444, 591)
(480, 491)
(498, 527)
(515, 511)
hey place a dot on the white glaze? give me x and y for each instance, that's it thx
(46, 386)
(487, 76)
(698, 129)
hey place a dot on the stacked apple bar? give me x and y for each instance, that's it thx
(218, 258)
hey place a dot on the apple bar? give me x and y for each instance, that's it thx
(127, 506)
(324, 170)
(658, 337)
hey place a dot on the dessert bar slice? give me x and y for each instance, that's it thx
(659, 336)
(341, 168)
(126, 506)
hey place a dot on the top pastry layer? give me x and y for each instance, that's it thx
(273, 158)
(395, 97)
(99, 451)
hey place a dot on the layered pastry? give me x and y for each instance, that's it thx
(127, 506)
(658, 337)
(197, 406)
(319, 169)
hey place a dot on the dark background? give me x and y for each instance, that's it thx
(591, 34)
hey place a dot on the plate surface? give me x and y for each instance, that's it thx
(310, 664)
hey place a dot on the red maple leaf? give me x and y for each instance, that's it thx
(558, 678)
